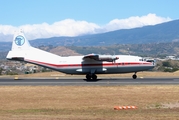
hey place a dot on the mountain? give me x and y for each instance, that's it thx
(160, 33)
(165, 32)
(5, 46)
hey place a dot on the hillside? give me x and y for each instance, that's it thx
(151, 49)
(161, 33)
(64, 51)
(165, 32)
(59, 50)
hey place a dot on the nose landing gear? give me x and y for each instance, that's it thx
(134, 76)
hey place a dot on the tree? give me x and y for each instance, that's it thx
(166, 64)
(1, 71)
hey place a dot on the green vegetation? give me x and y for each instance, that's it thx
(46, 69)
(1, 71)
(11, 73)
(167, 66)
(160, 50)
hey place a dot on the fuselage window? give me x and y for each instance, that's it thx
(140, 59)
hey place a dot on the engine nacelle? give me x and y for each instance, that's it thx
(108, 58)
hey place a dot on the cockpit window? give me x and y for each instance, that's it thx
(142, 59)
(150, 60)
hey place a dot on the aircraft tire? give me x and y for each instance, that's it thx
(134, 76)
(88, 76)
(94, 77)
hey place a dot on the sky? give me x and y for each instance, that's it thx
(50, 18)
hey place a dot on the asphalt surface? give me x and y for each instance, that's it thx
(83, 82)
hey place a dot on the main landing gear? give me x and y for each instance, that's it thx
(91, 76)
(134, 76)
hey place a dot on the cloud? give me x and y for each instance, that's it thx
(70, 27)
(133, 22)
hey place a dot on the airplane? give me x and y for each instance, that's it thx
(88, 65)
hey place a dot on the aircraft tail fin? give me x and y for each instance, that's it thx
(20, 42)
(20, 47)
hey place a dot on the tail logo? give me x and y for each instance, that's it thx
(19, 40)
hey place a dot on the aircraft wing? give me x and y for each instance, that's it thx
(108, 58)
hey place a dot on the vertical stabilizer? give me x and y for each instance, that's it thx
(20, 42)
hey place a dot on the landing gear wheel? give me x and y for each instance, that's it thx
(88, 77)
(134, 76)
(91, 76)
(94, 77)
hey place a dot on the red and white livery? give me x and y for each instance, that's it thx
(90, 64)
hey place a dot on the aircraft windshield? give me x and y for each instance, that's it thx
(142, 59)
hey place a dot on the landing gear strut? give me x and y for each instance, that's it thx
(134, 76)
(89, 76)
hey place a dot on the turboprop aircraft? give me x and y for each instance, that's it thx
(88, 65)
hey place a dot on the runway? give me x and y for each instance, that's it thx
(83, 82)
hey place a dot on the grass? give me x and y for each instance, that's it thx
(89, 102)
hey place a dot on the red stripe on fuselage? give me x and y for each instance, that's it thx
(90, 65)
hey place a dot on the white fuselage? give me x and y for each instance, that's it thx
(76, 64)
